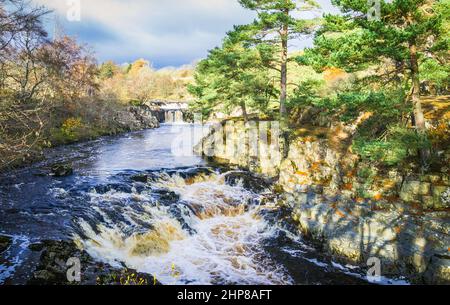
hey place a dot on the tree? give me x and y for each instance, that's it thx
(407, 32)
(233, 76)
(70, 69)
(275, 25)
(21, 123)
(17, 17)
(108, 69)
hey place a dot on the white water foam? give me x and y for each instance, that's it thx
(226, 248)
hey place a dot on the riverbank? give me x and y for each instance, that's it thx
(351, 209)
(123, 120)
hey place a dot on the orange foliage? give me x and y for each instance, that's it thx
(351, 174)
(378, 197)
(348, 186)
(332, 74)
(315, 166)
(300, 173)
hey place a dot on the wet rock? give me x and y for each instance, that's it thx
(136, 118)
(404, 242)
(248, 180)
(144, 117)
(41, 173)
(36, 247)
(438, 272)
(5, 242)
(54, 265)
(45, 276)
(118, 187)
(128, 277)
(61, 170)
(167, 196)
(194, 172)
(140, 178)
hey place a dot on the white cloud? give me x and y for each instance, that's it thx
(164, 31)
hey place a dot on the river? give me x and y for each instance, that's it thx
(132, 201)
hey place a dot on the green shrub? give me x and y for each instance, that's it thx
(71, 128)
(399, 144)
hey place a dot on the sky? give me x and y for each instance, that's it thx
(165, 32)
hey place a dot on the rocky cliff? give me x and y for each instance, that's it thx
(354, 210)
(137, 118)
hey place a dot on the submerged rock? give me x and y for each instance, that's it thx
(117, 187)
(61, 170)
(56, 260)
(167, 197)
(5, 242)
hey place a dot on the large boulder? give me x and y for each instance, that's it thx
(53, 267)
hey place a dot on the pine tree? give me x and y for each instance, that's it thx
(405, 33)
(276, 25)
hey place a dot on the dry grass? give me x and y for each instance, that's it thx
(436, 108)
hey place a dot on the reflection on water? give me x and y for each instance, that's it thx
(153, 149)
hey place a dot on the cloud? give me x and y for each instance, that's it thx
(169, 32)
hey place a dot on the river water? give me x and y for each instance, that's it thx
(187, 224)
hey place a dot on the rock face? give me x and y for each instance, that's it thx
(354, 210)
(405, 243)
(260, 155)
(137, 118)
(57, 257)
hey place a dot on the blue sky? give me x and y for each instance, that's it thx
(165, 32)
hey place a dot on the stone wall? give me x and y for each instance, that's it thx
(355, 210)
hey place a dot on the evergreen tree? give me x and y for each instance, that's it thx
(407, 33)
(276, 25)
(233, 76)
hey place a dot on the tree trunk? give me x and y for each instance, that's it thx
(415, 96)
(244, 112)
(284, 57)
(419, 119)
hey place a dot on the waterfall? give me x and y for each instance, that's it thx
(173, 116)
(178, 116)
(170, 112)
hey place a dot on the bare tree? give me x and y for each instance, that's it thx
(21, 123)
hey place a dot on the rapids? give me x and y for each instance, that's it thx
(132, 202)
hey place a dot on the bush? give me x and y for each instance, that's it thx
(71, 128)
(399, 144)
